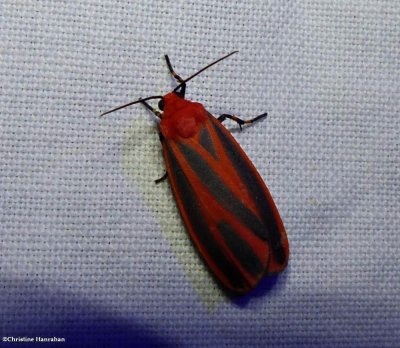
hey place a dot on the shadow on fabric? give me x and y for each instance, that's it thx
(30, 310)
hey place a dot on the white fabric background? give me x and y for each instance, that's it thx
(93, 251)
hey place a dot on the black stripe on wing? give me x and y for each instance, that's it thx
(206, 142)
(197, 221)
(222, 194)
(257, 191)
(240, 249)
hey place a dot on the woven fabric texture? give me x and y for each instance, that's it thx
(93, 252)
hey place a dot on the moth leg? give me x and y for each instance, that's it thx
(177, 77)
(157, 181)
(239, 121)
(154, 111)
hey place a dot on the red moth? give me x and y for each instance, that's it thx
(227, 208)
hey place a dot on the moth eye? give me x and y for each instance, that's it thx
(161, 104)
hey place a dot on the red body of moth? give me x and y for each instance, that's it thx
(227, 209)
